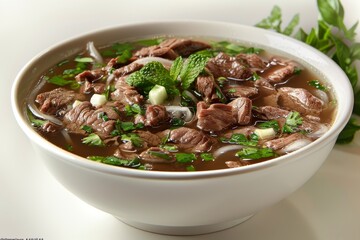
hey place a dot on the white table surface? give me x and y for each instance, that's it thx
(34, 205)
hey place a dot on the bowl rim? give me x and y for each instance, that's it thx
(71, 158)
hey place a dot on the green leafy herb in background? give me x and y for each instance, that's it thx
(332, 37)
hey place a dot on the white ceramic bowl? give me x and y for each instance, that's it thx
(185, 202)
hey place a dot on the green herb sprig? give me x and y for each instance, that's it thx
(332, 37)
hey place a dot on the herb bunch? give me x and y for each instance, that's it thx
(332, 37)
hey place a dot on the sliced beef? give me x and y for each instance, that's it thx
(184, 47)
(126, 93)
(123, 153)
(126, 70)
(215, 117)
(253, 60)
(191, 140)
(156, 115)
(55, 102)
(157, 155)
(85, 114)
(49, 127)
(279, 143)
(300, 100)
(89, 87)
(281, 73)
(241, 109)
(246, 130)
(207, 87)
(230, 67)
(172, 48)
(268, 92)
(90, 75)
(235, 91)
(270, 113)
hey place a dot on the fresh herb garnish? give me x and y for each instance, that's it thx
(61, 81)
(190, 168)
(191, 69)
(332, 37)
(177, 122)
(93, 140)
(293, 120)
(232, 49)
(170, 148)
(153, 73)
(241, 139)
(112, 160)
(207, 157)
(129, 126)
(84, 59)
(269, 124)
(176, 68)
(134, 109)
(159, 154)
(103, 116)
(86, 128)
(34, 121)
(134, 138)
(316, 84)
(185, 157)
(251, 153)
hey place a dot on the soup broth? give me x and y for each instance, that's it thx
(180, 104)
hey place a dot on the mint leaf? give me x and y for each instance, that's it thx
(153, 73)
(191, 69)
(176, 68)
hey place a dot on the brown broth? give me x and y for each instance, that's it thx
(77, 147)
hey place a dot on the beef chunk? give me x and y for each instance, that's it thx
(279, 143)
(270, 113)
(153, 155)
(225, 66)
(126, 93)
(207, 87)
(235, 91)
(156, 115)
(281, 73)
(191, 140)
(253, 60)
(56, 101)
(241, 109)
(215, 117)
(172, 48)
(300, 100)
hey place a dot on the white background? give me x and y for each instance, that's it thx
(34, 205)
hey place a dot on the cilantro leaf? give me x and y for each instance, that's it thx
(252, 153)
(133, 138)
(240, 139)
(34, 121)
(61, 81)
(270, 124)
(93, 140)
(316, 84)
(207, 157)
(112, 160)
(185, 157)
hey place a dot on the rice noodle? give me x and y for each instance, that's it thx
(322, 95)
(323, 128)
(224, 149)
(165, 62)
(35, 111)
(66, 137)
(180, 112)
(94, 53)
(295, 145)
(190, 95)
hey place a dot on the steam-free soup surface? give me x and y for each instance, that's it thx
(180, 104)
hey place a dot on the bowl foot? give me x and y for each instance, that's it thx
(184, 230)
